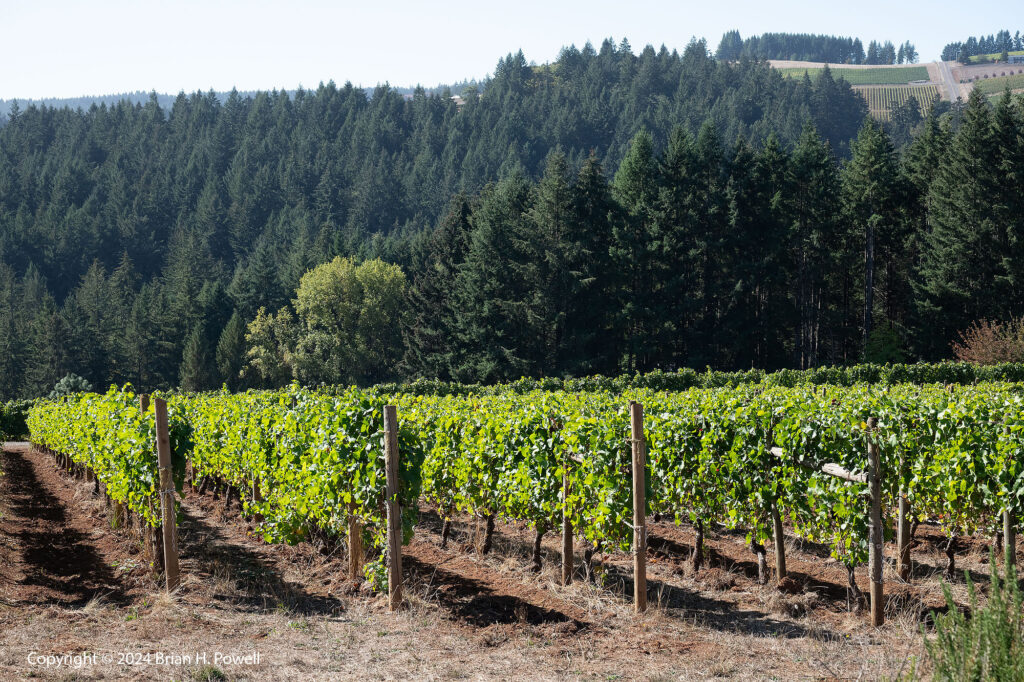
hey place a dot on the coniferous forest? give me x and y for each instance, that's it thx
(996, 45)
(605, 213)
(810, 47)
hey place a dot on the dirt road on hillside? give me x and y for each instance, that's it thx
(948, 82)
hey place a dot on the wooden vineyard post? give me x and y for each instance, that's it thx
(875, 527)
(355, 544)
(778, 537)
(780, 543)
(903, 532)
(1009, 539)
(147, 532)
(163, 450)
(567, 559)
(394, 512)
(636, 422)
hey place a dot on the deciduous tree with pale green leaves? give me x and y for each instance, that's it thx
(345, 329)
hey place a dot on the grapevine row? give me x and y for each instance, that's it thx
(311, 461)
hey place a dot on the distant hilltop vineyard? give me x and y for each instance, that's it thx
(884, 87)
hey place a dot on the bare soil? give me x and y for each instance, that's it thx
(71, 585)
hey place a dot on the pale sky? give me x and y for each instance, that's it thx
(67, 48)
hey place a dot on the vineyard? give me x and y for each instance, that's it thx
(881, 99)
(996, 86)
(748, 458)
(991, 57)
(878, 76)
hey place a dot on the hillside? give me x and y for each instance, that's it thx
(166, 101)
(606, 213)
(992, 57)
(882, 87)
(188, 218)
(987, 78)
(632, 364)
(856, 74)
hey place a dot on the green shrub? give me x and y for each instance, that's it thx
(12, 419)
(70, 385)
(987, 643)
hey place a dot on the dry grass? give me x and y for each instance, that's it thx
(472, 616)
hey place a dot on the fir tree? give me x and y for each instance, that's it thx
(635, 251)
(959, 278)
(195, 365)
(230, 353)
(490, 292)
(592, 322)
(871, 195)
(430, 333)
(821, 263)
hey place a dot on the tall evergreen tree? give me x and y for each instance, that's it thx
(755, 312)
(635, 251)
(592, 322)
(490, 294)
(959, 277)
(872, 195)
(431, 329)
(1008, 206)
(676, 262)
(230, 353)
(821, 264)
(710, 232)
(47, 350)
(195, 374)
(256, 284)
(90, 320)
(550, 267)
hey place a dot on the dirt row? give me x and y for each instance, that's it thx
(70, 583)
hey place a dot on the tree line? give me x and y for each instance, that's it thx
(130, 234)
(231, 243)
(701, 254)
(166, 101)
(998, 44)
(808, 47)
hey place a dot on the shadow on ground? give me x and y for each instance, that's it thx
(60, 563)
